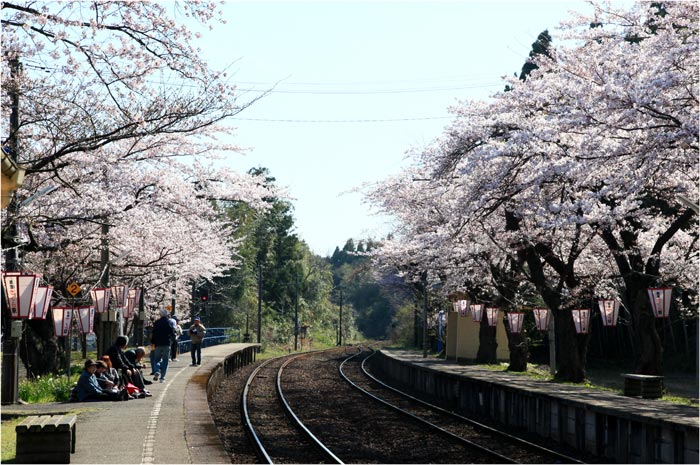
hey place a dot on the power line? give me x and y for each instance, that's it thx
(386, 120)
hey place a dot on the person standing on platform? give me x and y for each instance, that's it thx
(162, 337)
(197, 332)
(174, 349)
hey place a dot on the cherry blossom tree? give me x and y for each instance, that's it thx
(578, 167)
(121, 126)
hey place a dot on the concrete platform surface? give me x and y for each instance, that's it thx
(173, 426)
(630, 407)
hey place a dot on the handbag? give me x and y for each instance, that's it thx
(132, 390)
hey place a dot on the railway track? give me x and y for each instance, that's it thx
(506, 447)
(297, 409)
(277, 434)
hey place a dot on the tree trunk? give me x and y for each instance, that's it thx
(519, 353)
(487, 343)
(39, 349)
(571, 348)
(648, 342)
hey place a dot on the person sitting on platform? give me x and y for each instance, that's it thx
(135, 357)
(89, 390)
(111, 373)
(130, 373)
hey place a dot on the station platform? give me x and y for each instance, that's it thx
(604, 423)
(173, 426)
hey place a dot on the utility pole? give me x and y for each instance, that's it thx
(10, 345)
(296, 309)
(259, 299)
(104, 336)
(340, 320)
(425, 314)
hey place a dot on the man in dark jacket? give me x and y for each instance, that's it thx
(161, 337)
(130, 373)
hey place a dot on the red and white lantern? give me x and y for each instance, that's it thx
(542, 316)
(133, 301)
(581, 319)
(62, 319)
(477, 310)
(100, 298)
(86, 318)
(492, 314)
(515, 322)
(42, 301)
(609, 309)
(660, 300)
(19, 292)
(120, 292)
(463, 306)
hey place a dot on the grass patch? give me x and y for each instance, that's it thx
(9, 440)
(46, 389)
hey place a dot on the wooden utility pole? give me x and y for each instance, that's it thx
(259, 299)
(10, 345)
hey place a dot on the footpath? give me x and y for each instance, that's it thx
(173, 426)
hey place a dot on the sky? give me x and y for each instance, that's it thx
(358, 85)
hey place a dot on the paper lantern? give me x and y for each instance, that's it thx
(455, 306)
(19, 292)
(463, 307)
(133, 301)
(120, 293)
(581, 319)
(515, 321)
(86, 318)
(42, 301)
(492, 315)
(62, 318)
(542, 316)
(100, 298)
(660, 300)
(477, 311)
(609, 309)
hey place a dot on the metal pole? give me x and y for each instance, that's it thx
(10, 345)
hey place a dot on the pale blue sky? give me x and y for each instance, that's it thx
(347, 71)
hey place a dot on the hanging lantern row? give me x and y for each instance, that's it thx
(660, 299)
(27, 300)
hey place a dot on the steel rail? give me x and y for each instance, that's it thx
(247, 423)
(471, 422)
(295, 419)
(451, 435)
(260, 450)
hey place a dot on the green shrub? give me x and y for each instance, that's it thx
(47, 389)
